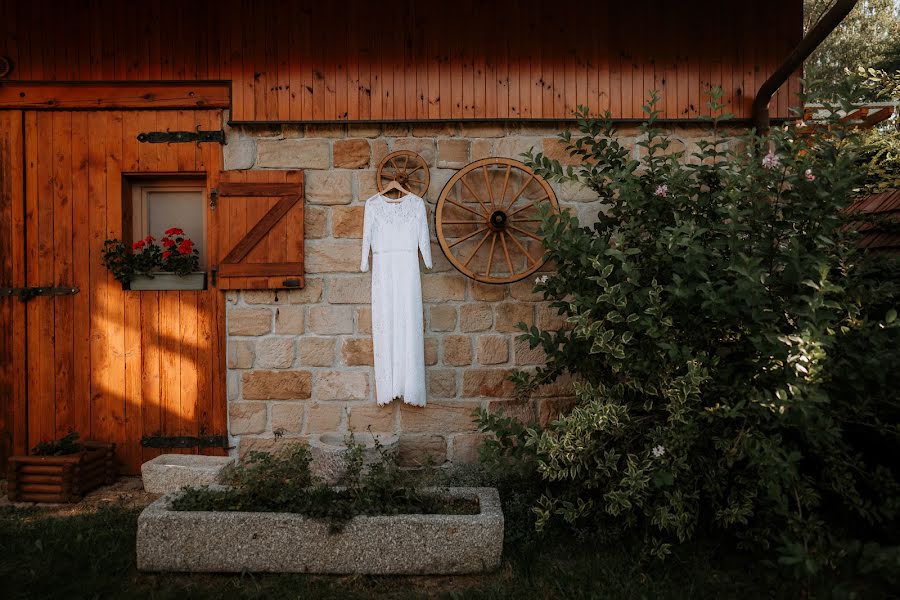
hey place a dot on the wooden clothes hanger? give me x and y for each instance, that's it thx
(393, 185)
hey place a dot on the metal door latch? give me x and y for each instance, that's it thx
(27, 293)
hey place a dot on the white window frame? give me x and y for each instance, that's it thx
(140, 213)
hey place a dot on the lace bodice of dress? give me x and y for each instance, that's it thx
(392, 226)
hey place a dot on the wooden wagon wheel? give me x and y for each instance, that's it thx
(406, 168)
(487, 220)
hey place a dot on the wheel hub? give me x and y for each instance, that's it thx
(498, 220)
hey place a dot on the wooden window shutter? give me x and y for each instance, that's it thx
(259, 230)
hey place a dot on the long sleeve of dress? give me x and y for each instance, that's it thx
(367, 239)
(424, 237)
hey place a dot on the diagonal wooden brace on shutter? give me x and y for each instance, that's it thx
(270, 252)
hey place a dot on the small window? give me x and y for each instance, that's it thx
(160, 204)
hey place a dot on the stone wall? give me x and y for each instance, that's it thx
(300, 361)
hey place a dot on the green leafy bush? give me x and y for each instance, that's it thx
(736, 358)
(283, 482)
(68, 444)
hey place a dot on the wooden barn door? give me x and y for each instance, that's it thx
(113, 365)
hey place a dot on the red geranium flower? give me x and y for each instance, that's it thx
(166, 254)
(149, 239)
(138, 245)
(184, 247)
(174, 231)
(167, 243)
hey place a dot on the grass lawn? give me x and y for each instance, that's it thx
(91, 555)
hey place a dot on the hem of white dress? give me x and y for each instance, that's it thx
(422, 404)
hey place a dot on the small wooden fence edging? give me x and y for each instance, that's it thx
(61, 478)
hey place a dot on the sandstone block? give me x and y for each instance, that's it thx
(240, 354)
(249, 321)
(441, 383)
(465, 447)
(329, 187)
(363, 130)
(264, 297)
(524, 411)
(248, 444)
(292, 154)
(317, 351)
(275, 353)
(315, 222)
(325, 130)
(287, 417)
(550, 319)
(357, 352)
(289, 319)
(441, 287)
(351, 154)
(379, 151)
(481, 148)
(487, 292)
(420, 450)
(422, 146)
(362, 416)
(246, 417)
(510, 314)
(493, 383)
(347, 221)
(551, 409)
(310, 293)
(555, 149)
(475, 317)
(523, 354)
(439, 416)
(239, 152)
(322, 417)
(516, 146)
(327, 319)
(277, 385)
(364, 319)
(457, 350)
(395, 129)
(442, 317)
(431, 351)
(522, 290)
(342, 385)
(356, 289)
(492, 349)
(453, 154)
(433, 129)
(332, 256)
(366, 183)
(482, 130)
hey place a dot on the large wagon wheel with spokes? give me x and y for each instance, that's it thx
(487, 220)
(408, 169)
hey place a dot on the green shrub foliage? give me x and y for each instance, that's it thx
(737, 359)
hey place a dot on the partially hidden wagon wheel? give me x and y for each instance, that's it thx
(408, 169)
(487, 220)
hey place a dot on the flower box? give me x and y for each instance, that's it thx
(233, 542)
(170, 281)
(65, 478)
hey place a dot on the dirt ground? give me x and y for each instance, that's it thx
(129, 491)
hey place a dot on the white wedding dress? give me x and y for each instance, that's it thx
(396, 231)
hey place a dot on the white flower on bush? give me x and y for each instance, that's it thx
(809, 175)
(658, 451)
(662, 191)
(541, 280)
(770, 161)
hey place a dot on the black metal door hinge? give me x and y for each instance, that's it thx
(174, 137)
(27, 293)
(213, 277)
(213, 199)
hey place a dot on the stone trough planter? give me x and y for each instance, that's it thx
(234, 542)
(171, 472)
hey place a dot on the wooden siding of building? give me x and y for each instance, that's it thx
(406, 61)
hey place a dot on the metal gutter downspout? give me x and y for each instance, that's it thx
(807, 45)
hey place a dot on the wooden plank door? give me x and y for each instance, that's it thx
(113, 365)
(12, 275)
